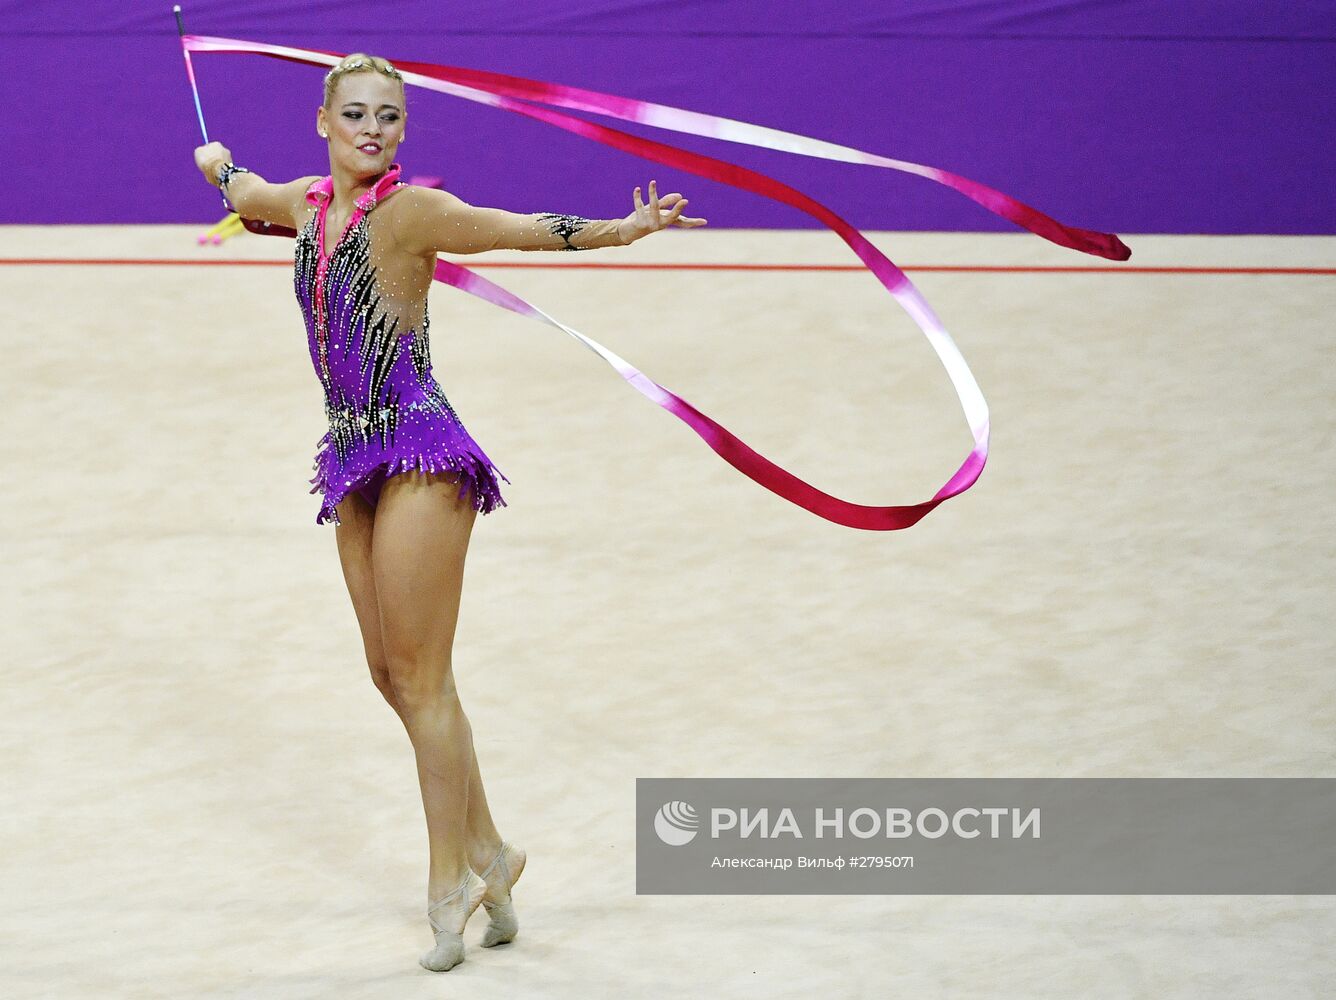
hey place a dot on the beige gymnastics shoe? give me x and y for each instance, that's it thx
(455, 908)
(500, 876)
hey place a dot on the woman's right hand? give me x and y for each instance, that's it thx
(210, 159)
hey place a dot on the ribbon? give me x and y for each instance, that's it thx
(508, 93)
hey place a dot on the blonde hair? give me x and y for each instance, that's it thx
(358, 62)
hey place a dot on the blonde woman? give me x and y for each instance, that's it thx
(400, 476)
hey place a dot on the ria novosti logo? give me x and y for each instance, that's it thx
(676, 823)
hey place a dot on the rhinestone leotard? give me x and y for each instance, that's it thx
(367, 329)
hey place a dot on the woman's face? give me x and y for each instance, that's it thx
(365, 121)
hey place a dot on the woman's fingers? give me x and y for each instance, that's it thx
(676, 218)
(653, 218)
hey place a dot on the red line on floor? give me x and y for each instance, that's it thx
(968, 268)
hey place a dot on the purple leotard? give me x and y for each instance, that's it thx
(366, 325)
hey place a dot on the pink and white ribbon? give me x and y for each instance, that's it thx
(502, 91)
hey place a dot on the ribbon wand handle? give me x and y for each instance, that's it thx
(194, 87)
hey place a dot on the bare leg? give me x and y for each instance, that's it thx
(418, 550)
(483, 843)
(354, 535)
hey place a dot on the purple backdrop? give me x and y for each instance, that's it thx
(1122, 115)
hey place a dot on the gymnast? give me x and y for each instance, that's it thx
(400, 477)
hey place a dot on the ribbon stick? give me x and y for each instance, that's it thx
(500, 92)
(190, 71)
(194, 87)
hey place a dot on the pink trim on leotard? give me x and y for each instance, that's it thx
(321, 194)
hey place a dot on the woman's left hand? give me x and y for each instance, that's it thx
(648, 219)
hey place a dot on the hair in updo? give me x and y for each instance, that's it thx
(358, 62)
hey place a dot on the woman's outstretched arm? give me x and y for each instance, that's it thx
(429, 221)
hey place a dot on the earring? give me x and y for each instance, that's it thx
(324, 135)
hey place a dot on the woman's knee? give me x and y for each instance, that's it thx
(380, 676)
(421, 685)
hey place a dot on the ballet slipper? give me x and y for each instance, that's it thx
(456, 907)
(500, 876)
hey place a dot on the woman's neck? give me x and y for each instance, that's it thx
(347, 189)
